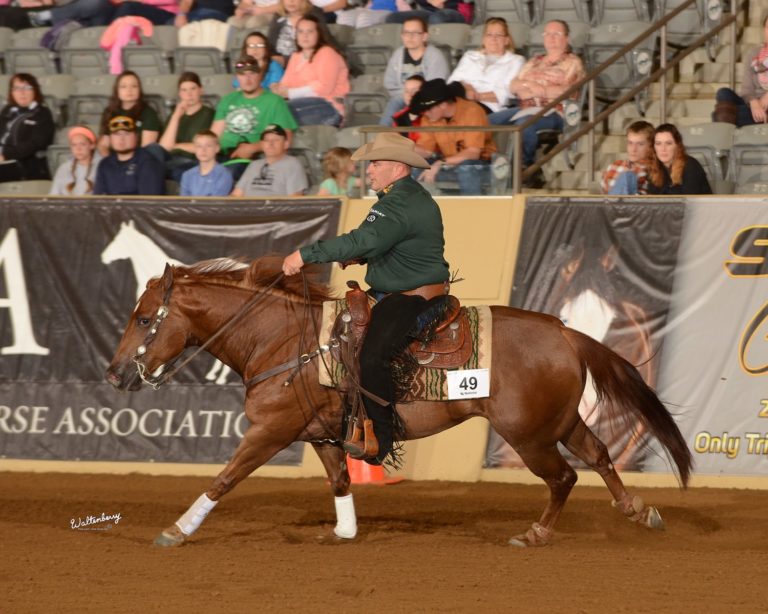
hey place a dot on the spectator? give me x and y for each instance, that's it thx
(541, 80)
(198, 10)
(282, 30)
(406, 117)
(207, 178)
(630, 176)
(159, 12)
(369, 13)
(316, 79)
(339, 171)
(751, 107)
(462, 156)
(672, 171)
(242, 115)
(256, 45)
(127, 99)
(26, 131)
(188, 118)
(254, 13)
(75, 177)
(276, 174)
(88, 13)
(435, 11)
(415, 57)
(486, 73)
(129, 169)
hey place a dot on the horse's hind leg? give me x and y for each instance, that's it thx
(585, 445)
(334, 461)
(550, 466)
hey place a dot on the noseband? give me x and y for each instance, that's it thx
(162, 314)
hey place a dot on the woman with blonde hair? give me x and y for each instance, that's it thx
(76, 175)
(487, 72)
(339, 169)
(673, 171)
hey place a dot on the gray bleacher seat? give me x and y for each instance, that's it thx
(617, 11)
(202, 60)
(6, 39)
(344, 35)
(5, 81)
(82, 55)
(57, 89)
(90, 99)
(569, 11)
(154, 55)
(365, 103)
(749, 155)
(236, 39)
(215, 87)
(372, 47)
(710, 144)
(692, 22)
(161, 91)
(25, 54)
(520, 11)
(452, 38)
(57, 154)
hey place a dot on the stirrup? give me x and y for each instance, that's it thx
(362, 444)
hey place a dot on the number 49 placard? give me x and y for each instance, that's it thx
(468, 384)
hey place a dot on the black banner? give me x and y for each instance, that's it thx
(70, 275)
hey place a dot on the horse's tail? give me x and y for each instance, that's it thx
(618, 382)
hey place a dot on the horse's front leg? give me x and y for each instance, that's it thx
(334, 461)
(260, 443)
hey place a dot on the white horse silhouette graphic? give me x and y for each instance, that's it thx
(148, 261)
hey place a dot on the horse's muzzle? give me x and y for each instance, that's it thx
(121, 381)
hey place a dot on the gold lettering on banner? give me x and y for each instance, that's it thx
(706, 443)
(757, 443)
(750, 251)
(763, 412)
(752, 332)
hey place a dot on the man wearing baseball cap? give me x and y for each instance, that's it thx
(277, 173)
(128, 169)
(242, 115)
(453, 156)
(401, 241)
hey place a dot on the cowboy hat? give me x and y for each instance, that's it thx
(391, 146)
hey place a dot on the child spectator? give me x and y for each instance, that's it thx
(75, 177)
(189, 118)
(207, 178)
(128, 100)
(339, 170)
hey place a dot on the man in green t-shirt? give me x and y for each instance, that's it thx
(401, 242)
(243, 115)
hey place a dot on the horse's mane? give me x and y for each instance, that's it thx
(256, 274)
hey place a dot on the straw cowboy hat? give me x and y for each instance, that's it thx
(391, 146)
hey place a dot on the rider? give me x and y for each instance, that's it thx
(401, 240)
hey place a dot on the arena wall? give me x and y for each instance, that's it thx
(482, 237)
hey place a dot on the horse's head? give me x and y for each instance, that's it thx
(154, 337)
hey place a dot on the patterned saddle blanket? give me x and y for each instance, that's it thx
(429, 384)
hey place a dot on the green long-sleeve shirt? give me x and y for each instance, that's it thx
(401, 239)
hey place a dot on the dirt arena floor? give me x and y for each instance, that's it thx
(423, 547)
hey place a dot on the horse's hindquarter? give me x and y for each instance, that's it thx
(536, 383)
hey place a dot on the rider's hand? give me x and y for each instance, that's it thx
(293, 263)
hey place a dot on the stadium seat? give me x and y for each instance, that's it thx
(5, 81)
(6, 39)
(90, 99)
(215, 87)
(82, 55)
(349, 137)
(27, 55)
(372, 47)
(692, 22)
(57, 89)
(710, 144)
(514, 11)
(344, 35)
(32, 187)
(202, 60)
(570, 11)
(452, 38)
(617, 11)
(162, 91)
(154, 56)
(749, 155)
(315, 138)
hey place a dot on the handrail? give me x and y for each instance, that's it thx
(659, 26)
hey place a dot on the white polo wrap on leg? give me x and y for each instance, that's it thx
(194, 516)
(346, 520)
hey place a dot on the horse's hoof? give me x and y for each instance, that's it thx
(170, 538)
(537, 535)
(652, 519)
(331, 539)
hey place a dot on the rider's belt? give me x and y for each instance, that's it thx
(430, 290)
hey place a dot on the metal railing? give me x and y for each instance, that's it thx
(593, 117)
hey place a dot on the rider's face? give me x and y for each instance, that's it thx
(381, 173)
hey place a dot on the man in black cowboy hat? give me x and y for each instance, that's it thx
(401, 241)
(459, 156)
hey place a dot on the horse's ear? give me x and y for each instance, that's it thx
(167, 277)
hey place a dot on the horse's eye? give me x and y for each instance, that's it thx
(143, 322)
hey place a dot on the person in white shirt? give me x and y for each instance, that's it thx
(486, 73)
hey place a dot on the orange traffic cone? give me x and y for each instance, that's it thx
(361, 472)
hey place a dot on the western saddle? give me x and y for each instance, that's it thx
(449, 346)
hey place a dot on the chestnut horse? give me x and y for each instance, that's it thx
(539, 369)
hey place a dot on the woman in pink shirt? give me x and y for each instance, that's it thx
(316, 79)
